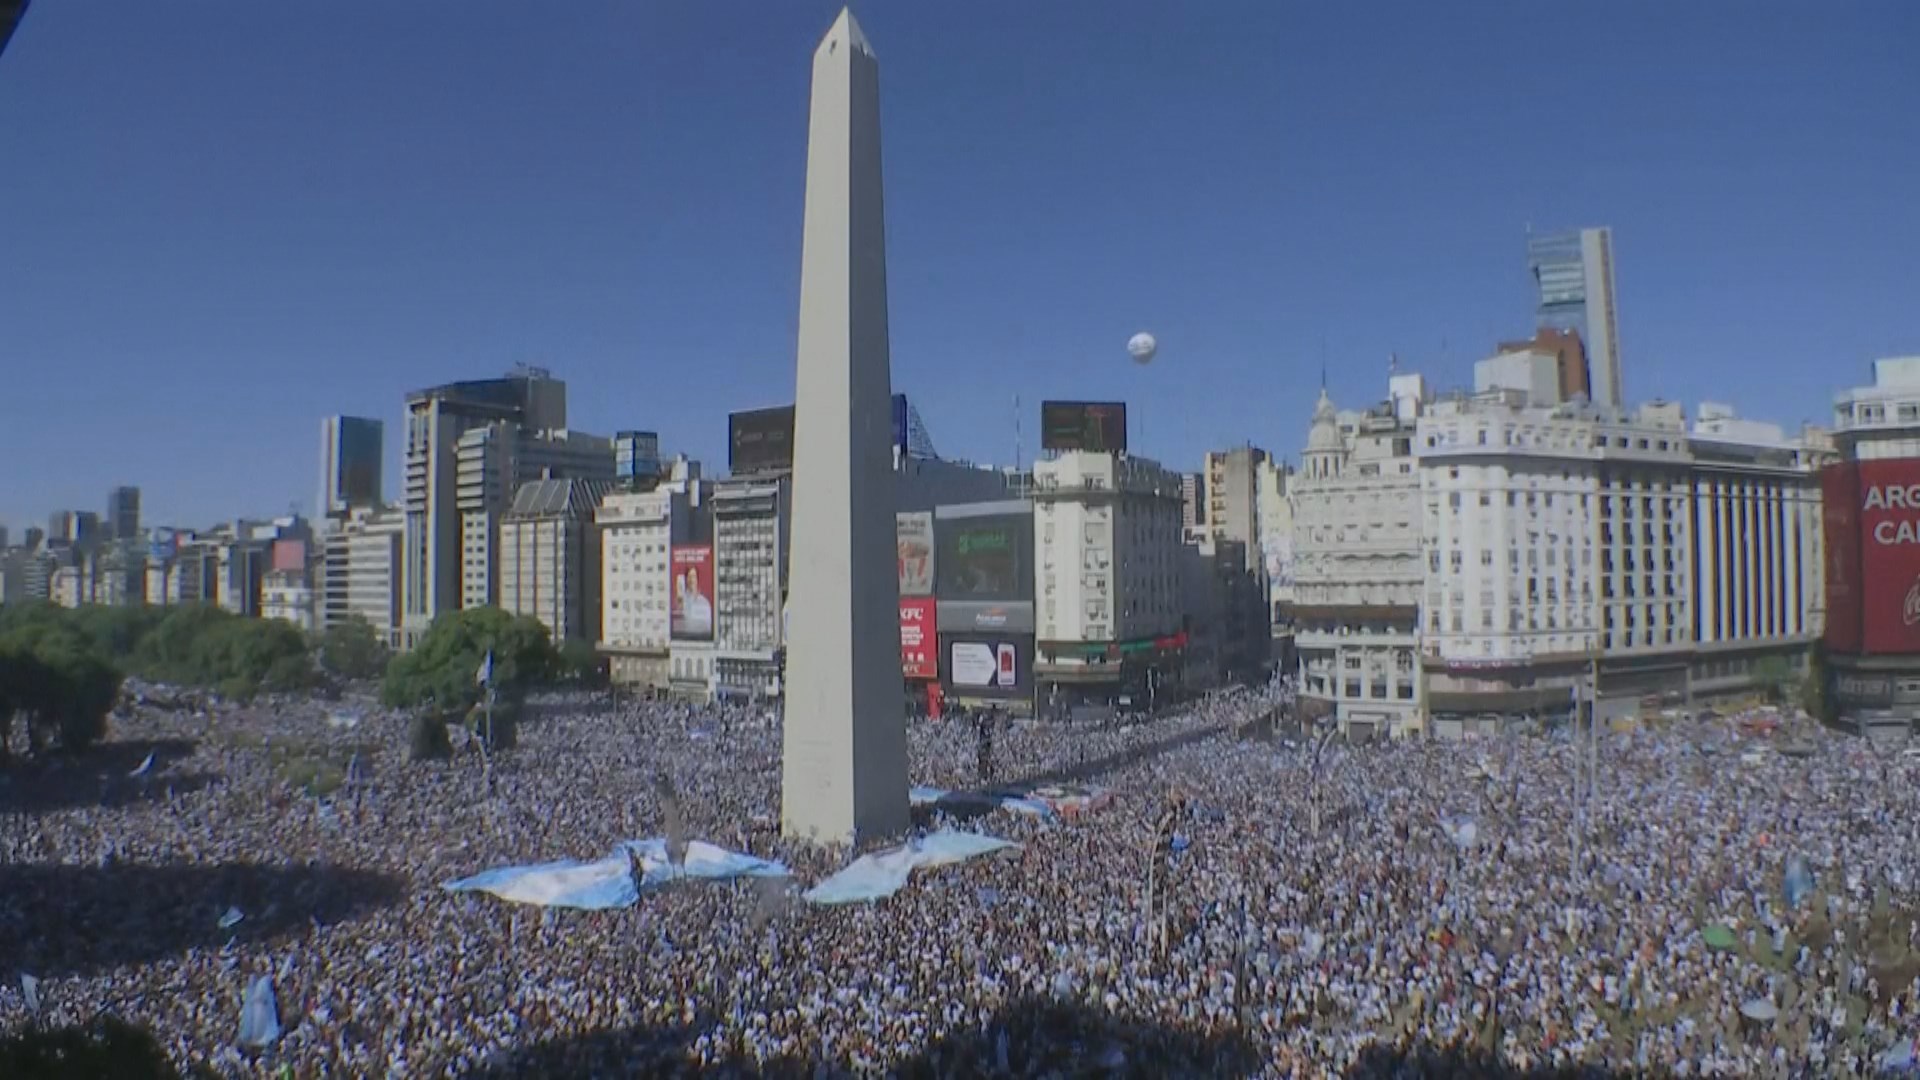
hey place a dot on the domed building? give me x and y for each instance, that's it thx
(1357, 571)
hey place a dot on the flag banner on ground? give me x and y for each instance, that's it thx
(883, 873)
(609, 882)
(260, 1014)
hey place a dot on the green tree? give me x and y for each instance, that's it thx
(63, 688)
(351, 650)
(580, 662)
(427, 738)
(441, 670)
(1773, 676)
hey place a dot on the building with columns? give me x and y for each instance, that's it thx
(1759, 563)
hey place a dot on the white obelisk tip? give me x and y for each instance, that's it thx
(845, 31)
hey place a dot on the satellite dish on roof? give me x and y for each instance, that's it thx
(1142, 347)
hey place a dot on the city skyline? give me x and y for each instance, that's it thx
(1380, 208)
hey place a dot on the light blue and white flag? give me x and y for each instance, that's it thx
(145, 767)
(484, 677)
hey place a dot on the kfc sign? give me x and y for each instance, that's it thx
(918, 660)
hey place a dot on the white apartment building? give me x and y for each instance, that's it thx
(68, 587)
(752, 517)
(1357, 564)
(638, 530)
(549, 562)
(1110, 618)
(359, 571)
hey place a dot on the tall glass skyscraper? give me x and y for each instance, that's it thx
(350, 451)
(1574, 273)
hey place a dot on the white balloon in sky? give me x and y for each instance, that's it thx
(1142, 347)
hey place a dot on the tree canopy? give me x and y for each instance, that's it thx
(51, 675)
(352, 650)
(441, 671)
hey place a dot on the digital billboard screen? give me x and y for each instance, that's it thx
(690, 610)
(760, 440)
(988, 665)
(1099, 426)
(1889, 538)
(983, 557)
(1840, 513)
(918, 658)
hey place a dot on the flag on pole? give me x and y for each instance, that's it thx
(484, 676)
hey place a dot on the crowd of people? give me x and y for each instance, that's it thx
(1317, 909)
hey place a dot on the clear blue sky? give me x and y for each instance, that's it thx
(220, 220)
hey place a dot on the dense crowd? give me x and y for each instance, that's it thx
(1316, 917)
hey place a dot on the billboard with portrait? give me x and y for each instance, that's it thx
(914, 533)
(1099, 426)
(690, 611)
(983, 556)
(918, 658)
(760, 440)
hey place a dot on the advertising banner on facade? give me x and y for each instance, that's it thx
(690, 613)
(290, 556)
(919, 657)
(915, 535)
(1889, 581)
(1840, 512)
(984, 557)
(988, 665)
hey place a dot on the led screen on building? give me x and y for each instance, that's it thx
(760, 440)
(983, 556)
(1889, 580)
(1100, 426)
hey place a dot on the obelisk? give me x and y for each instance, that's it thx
(844, 772)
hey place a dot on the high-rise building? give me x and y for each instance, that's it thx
(752, 519)
(550, 557)
(1574, 273)
(4, 537)
(1233, 499)
(359, 573)
(1569, 355)
(494, 462)
(77, 528)
(436, 419)
(636, 458)
(351, 453)
(1274, 503)
(123, 513)
(638, 532)
(1193, 500)
(1111, 599)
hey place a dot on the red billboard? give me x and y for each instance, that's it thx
(1840, 521)
(690, 616)
(918, 658)
(1889, 531)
